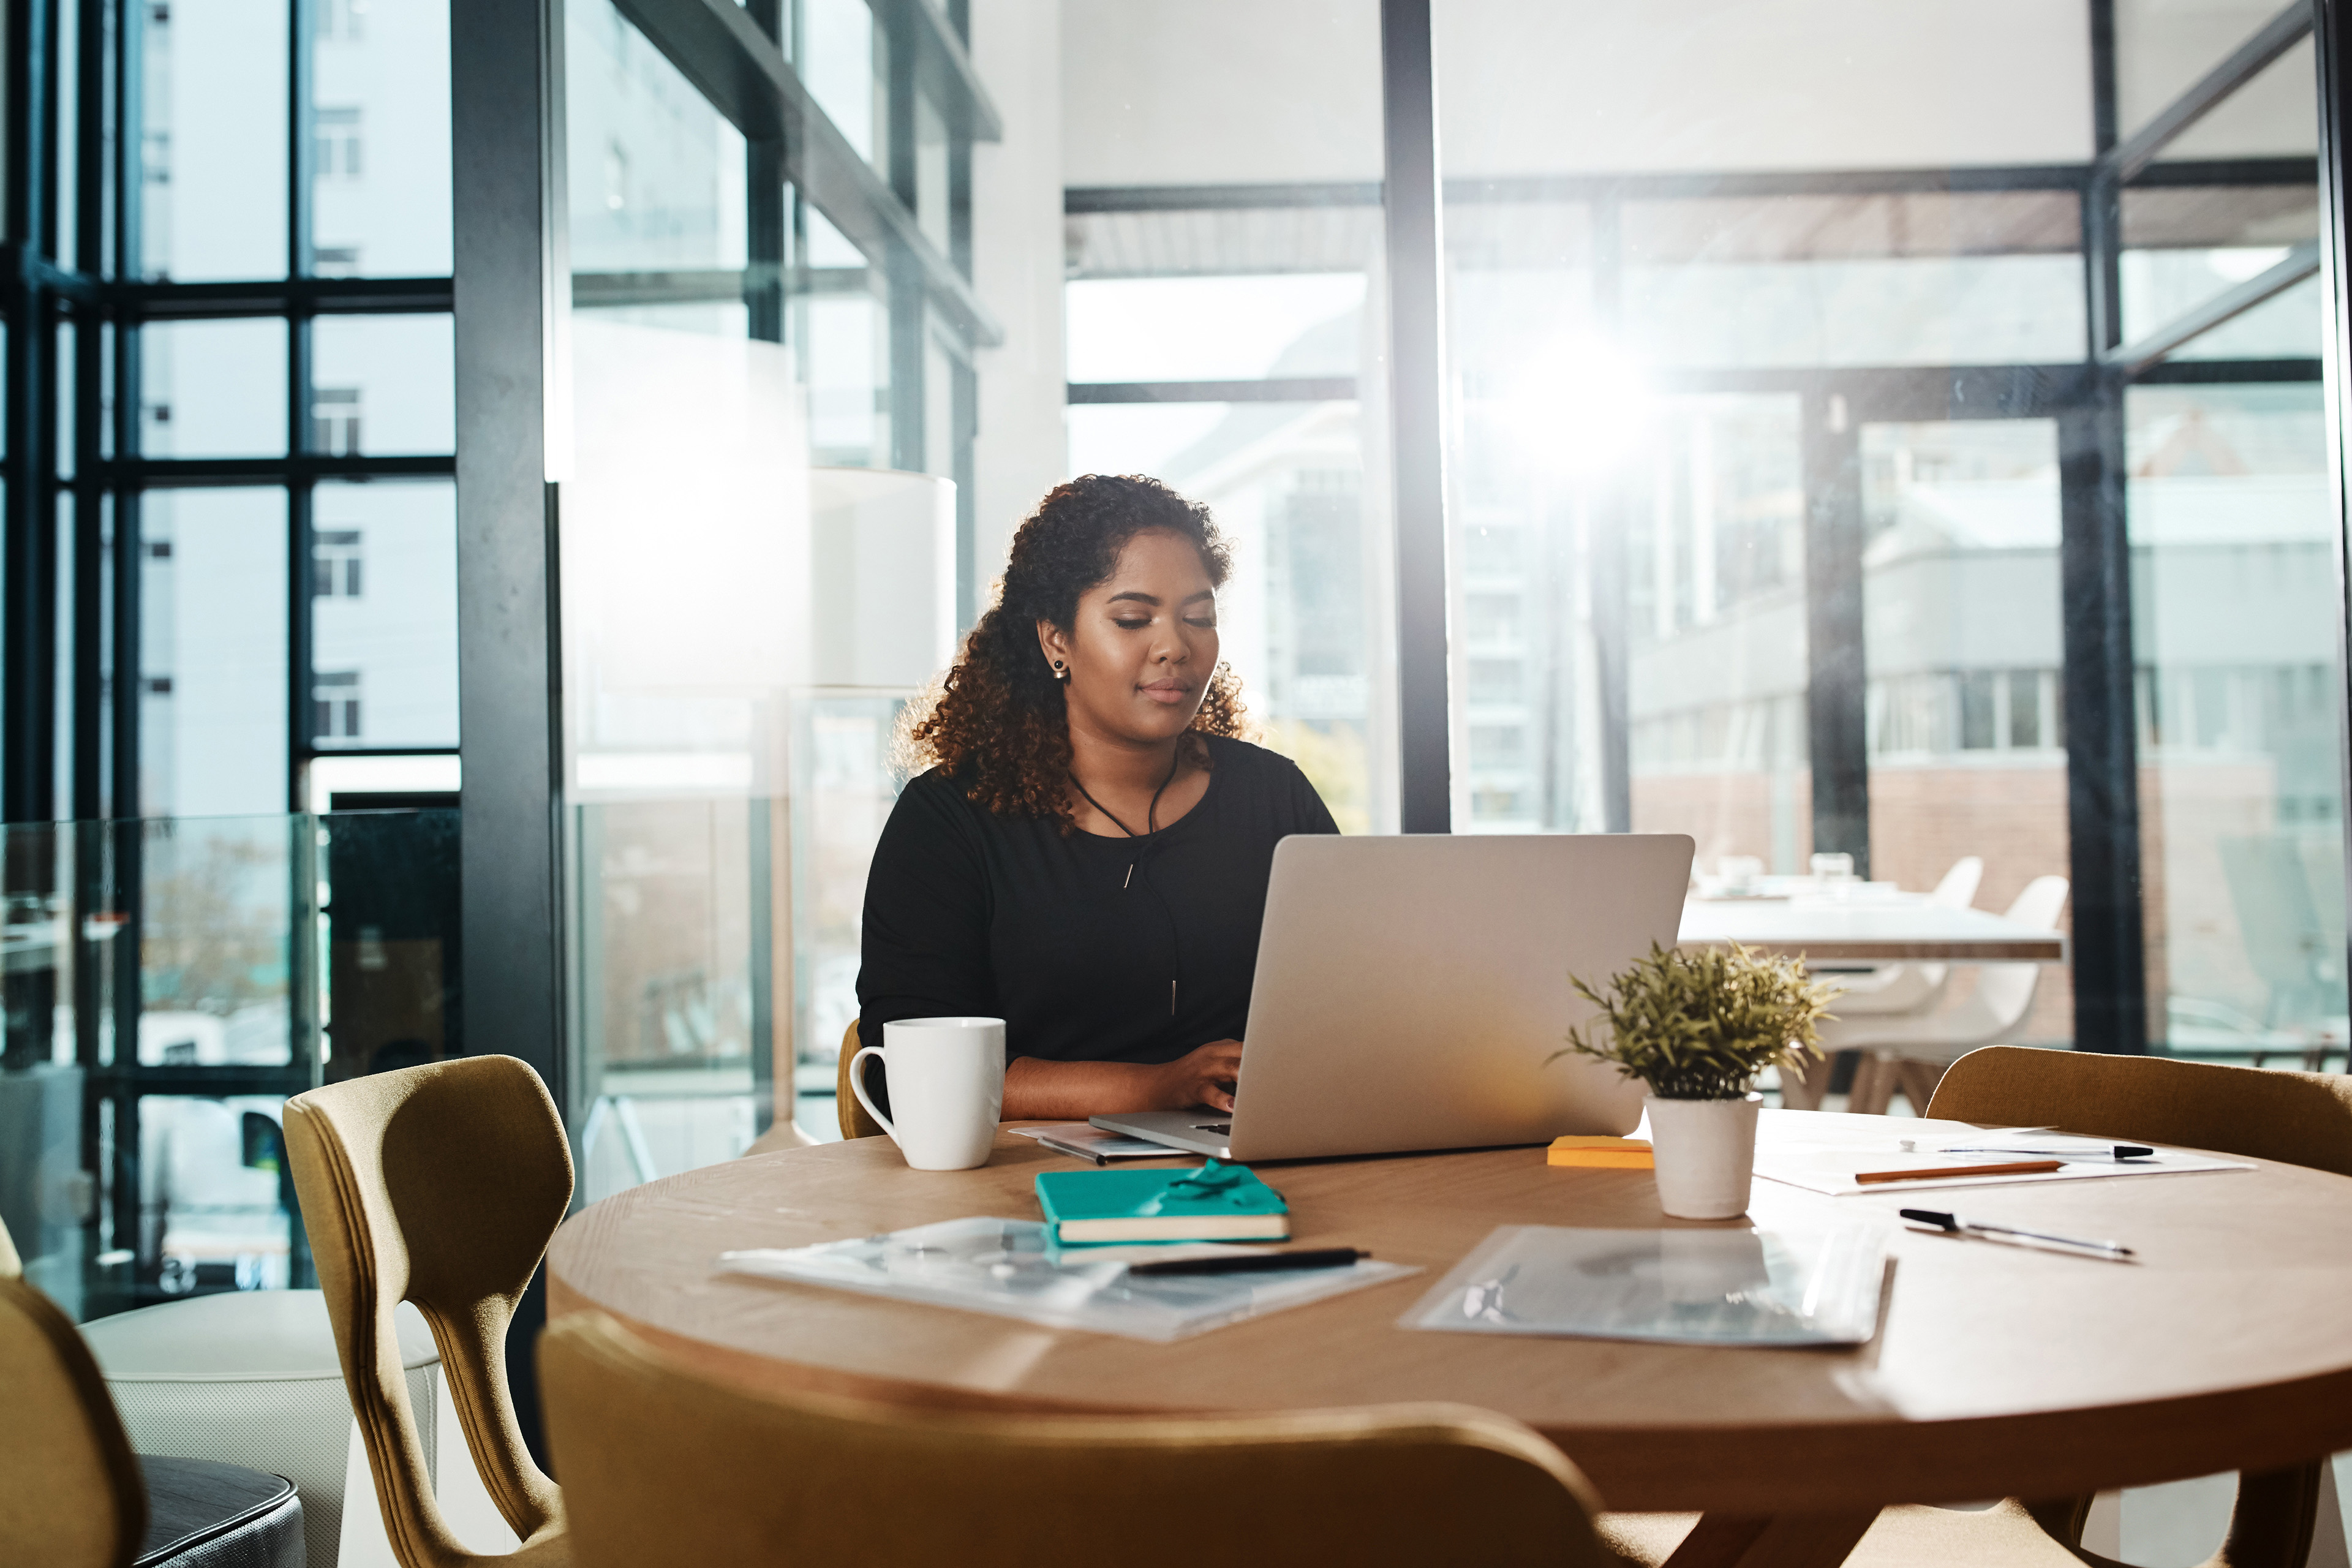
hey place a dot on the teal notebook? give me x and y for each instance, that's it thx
(1215, 1202)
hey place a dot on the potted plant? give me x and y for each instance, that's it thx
(1696, 1027)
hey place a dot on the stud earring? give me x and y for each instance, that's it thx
(1061, 672)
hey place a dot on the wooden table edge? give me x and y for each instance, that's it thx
(1825, 1467)
(2025, 950)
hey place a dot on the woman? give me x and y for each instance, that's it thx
(1087, 856)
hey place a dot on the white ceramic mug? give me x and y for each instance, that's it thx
(947, 1085)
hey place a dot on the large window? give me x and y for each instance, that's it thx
(231, 562)
(1801, 426)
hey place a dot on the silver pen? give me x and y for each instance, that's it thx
(1059, 1147)
(1953, 1224)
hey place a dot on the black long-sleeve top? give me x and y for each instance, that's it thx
(1080, 943)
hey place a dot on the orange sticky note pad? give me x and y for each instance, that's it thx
(1601, 1153)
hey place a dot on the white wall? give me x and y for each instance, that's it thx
(1171, 92)
(1021, 449)
(1549, 86)
(1201, 91)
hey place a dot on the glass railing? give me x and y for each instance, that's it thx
(168, 983)
(716, 952)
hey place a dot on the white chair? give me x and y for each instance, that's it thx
(1910, 987)
(1913, 1051)
(1892, 988)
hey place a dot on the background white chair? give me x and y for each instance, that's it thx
(1889, 988)
(1910, 987)
(1913, 1049)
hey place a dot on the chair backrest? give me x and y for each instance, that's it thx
(437, 1184)
(856, 1122)
(70, 1492)
(2295, 1118)
(2006, 990)
(1958, 890)
(663, 1469)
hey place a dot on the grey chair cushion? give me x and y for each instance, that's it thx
(205, 1515)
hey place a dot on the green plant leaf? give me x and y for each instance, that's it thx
(1701, 1025)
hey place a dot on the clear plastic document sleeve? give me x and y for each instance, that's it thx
(1011, 1269)
(1681, 1287)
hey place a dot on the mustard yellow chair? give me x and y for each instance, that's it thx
(665, 1470)
(857, 1122)
(437, 1184)
(70, 1491)
(2294, 1118)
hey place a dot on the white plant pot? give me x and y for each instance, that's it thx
(1705, 1154)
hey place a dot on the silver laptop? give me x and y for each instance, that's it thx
(1409, 989)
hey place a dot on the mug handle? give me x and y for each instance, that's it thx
(857, 1085)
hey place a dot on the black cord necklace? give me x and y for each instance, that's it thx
(1150, 825)
(1151, 812)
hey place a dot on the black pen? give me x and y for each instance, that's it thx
(1252, 1262)
(2114, 1151)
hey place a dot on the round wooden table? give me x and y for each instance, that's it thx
(1996, 1371)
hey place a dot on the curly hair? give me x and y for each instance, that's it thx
(999, 721)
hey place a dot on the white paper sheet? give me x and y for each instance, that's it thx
(1829, 1167)
(1010, 1268)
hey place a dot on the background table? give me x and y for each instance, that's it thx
(1997, 1371)
(1880, 929)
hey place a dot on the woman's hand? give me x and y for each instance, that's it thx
(1204, 1076)
(1064, 1091)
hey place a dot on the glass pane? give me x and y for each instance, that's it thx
(212, 201)
(843, 789)
(2241, 811)
(1920, 278)
(2285, 326)
(1964, 654)
(118, 1196)
(213, 627)
(212, 389)
(1740, 537)
(67, 145)
(212, 1190)
(1303, 618)
(384, 607)
(2273, 116)
(214, 912)
(931, 175)
(2187, 244)
(379, 135)
(668, 1020)
(844, 57)
(1211, 328)
(845, 351)
(391, 940)
(658, 195)
(2164, 47)
(1713, 570)
(383, 385)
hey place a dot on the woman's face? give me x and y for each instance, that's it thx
(1144, 643)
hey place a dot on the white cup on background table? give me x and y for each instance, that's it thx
(947, 1086)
